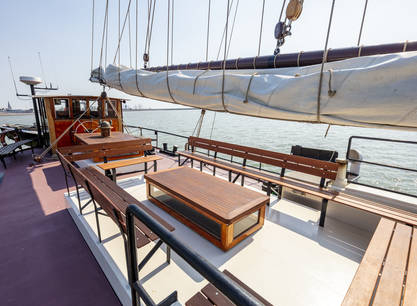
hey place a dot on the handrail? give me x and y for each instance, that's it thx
(157, 132)
(377, 163)
(222, 282)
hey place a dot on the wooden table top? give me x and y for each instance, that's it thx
(219, 198)
(95, 138)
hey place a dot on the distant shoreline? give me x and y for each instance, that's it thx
(157, 109)
(14, 114)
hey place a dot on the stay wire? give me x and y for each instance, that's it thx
(208, 29)
(233, 27)
(260, 30)
(282, 9)
(121, 33)
(363, 20)
(92, 37)
(224, 30)
(136, 50)
(225, 55)
(324, 60)
(106, 14)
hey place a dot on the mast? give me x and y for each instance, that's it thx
(294, 59)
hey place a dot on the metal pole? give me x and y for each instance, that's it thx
(35, 110)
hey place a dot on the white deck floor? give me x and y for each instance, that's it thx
(290, 261)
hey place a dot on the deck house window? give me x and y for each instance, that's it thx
(61, 109)
(79, 107)
(108, 110)
(95, 109)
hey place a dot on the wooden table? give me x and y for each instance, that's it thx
(222, 212)
(96, 138)
(115, 137)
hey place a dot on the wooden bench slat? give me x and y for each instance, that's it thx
(391, 282)
(215, 296)
(128, 162)
(117, 199)
(363, 284)
(129, 199)
(410, 290)
(198, 300)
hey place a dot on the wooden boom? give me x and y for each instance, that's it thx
(294, 59)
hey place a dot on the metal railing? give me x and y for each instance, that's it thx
(208, 153)
(390, 166)
(222, 282)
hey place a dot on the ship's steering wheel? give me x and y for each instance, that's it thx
(89, 126)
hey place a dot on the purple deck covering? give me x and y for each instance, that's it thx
(43, 257)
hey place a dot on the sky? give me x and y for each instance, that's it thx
(61, 31)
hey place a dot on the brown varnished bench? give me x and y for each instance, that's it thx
(387, 274)
(113, 165)
(210, 295)
(113, 200)
(323, 169)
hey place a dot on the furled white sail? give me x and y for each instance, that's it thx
(379, 91)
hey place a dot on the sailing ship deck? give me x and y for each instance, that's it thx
(44, 259)
(289, 255)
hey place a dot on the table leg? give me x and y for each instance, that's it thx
(146, 167)
(155, 167)
(113, 174)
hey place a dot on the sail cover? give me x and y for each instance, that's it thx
(373, 91)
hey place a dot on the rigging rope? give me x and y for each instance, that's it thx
(199, 123)
(92, 37)
(42, 71)
(151, 13)
(106, 16)
(172, 33)
(121, 33)
(260, 31)
(324, 60)
(282, 10)
(168, 32)
(233, 27)
(130, 42)
(136, 50)
(208, 29)
(224, 30)
(212, 124)
(363, 20)
(225, 54)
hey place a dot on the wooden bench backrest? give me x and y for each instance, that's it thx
(64, 162)
(302, 164)
(81, 152)
(102, 199)
(77, 175)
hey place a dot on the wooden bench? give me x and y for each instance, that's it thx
(106, 151)
(112, 166)
(322, 169)
(11, 149)
(387, 274)
(113, 200)
(210, 295)
(319, 168)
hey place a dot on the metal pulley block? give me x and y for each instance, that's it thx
(294, 9)
(145, 59)
(281, 31)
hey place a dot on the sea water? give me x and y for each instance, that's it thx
(279, 136)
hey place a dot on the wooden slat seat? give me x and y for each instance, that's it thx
(210, 295)
(378, 205)
(388, 271)
(112, 199)
(128, 162)
(113, 165)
